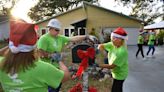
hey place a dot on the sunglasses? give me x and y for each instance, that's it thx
(54, 29)
(57, 30)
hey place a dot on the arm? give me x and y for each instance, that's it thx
(78, 38)
(43, 54)
(101, 47)
(66, 72)
(107, 66)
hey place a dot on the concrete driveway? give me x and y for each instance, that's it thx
(145, 75)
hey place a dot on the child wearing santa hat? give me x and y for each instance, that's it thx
(117, 58)
(21, 70)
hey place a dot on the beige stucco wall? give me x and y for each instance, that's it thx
(99, 18)
(67, 19)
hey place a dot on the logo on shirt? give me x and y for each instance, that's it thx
(15, 80)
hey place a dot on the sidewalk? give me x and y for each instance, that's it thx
(145, 75)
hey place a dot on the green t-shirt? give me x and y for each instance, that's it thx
(151, 40)
(140, 39)
(35, 79)
(52, 44)
(118, 57)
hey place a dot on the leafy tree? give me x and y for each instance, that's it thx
(146, 10)
(47, 8)
(6, 6)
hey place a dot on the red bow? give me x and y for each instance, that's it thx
(84, 55)
(78, 88)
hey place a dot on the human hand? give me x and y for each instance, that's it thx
(96, 48)
(56, 57)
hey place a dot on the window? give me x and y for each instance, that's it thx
(66, 31)
(81, 31)
(43, 31)
(71, 32)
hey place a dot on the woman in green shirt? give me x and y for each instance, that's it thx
(117, 58)
(151, 42)
(21, 70)
(140, 43)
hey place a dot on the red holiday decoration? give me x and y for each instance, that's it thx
(18, 29)
(120, 31)
(36, 27)
(84, 55)
(78, 88)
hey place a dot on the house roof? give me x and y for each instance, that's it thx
(85, 5)
(159, 25)
(58, 15)
(80, 23)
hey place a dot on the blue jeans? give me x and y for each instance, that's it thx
(151, 47)
(105, 60)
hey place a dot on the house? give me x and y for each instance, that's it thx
(159, 25)
(4, 28)
(159, 30)
(88, 18)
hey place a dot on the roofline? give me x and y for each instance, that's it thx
(83, 5)
(154, 28)
(113, 11)
(59, 14)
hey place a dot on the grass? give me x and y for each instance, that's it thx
(104, 86)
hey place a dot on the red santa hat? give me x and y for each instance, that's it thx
(22, 36)
(119, 33)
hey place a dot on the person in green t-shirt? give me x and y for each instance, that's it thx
(151, 42)
(50, 44)
(140, 43)
(21, 70)
(117, 58)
